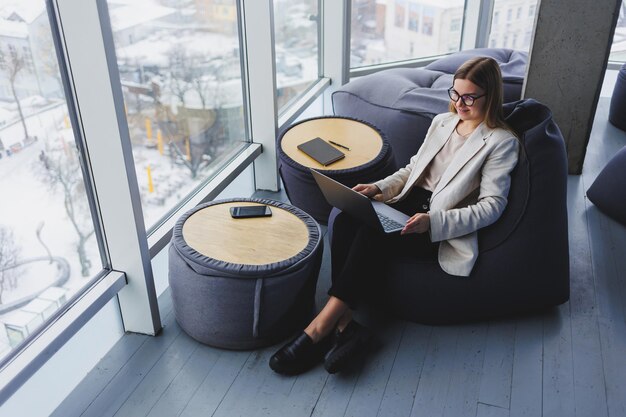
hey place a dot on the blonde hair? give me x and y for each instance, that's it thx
(485, 73)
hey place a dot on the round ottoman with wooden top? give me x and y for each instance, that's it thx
(244, 283)
(368, 158)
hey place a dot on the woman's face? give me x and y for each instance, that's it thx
(475, 112)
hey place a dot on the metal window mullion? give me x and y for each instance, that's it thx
(411, 63)
(85, 29)
(258, 33)
(320, 39)
(477, 23)
(335, 43)
(73, 114)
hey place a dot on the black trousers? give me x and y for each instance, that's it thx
(359, 253)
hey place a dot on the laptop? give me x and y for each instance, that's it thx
(374, 213)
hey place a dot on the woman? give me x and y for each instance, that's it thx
(457, 183)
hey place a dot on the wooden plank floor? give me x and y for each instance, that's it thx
(570, 361)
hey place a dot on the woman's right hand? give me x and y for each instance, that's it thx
(369, 190)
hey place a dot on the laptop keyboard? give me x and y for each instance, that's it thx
(387, 223)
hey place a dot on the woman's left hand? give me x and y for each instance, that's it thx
(418, 223)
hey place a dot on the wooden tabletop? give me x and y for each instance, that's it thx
(364, 142)
(253, 241)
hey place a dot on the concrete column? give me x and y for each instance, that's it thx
(566, 66)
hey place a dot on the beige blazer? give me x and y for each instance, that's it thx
(471, 194)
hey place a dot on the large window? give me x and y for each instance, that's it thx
(394, 30)
(618, 48)
(515, 31)
(296, 33)
(48, 247)
(180, 69)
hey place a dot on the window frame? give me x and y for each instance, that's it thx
(295, 102)
(475, 29)
(104, 147)
(39, 346)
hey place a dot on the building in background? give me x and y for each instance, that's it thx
(25, 36)
(25, 31)
(512, 24)
(135, 20)
(221, 15)
(394, 30)
(423, 27)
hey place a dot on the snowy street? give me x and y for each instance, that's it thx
(181, 76)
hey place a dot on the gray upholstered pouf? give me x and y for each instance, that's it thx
(223, 302)
(369, 158)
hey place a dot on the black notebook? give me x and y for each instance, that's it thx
(321, 151)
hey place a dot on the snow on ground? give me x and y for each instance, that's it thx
(130, 15)
(35, 276)
(26, 202)
(29, 10)
(155, 49)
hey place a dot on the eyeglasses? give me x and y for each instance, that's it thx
(466, 99)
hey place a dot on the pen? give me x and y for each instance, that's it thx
(337, 144)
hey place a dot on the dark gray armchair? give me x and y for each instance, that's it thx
(523, 263)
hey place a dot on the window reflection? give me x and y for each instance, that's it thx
(618, 47)
(180, 70)
(515, 31)
(48, 247)
(394, 30)
(296, 33)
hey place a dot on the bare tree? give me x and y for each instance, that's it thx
(205, 79)
(9, 254)
(61, 170)
(14, 64)
(197, 128)
(47, 58)
(201, 85)
(200, 140)
(179, 76)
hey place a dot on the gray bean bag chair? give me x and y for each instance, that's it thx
(617, 111)
(238, 306)
(524, 257)
(608, 191)
(403, 101)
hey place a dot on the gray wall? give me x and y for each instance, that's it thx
(567, 63)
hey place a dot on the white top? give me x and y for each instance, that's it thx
(484, 162)
(441, 161)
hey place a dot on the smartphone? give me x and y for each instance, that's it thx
(242, 212)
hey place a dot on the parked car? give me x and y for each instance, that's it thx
(16, 147)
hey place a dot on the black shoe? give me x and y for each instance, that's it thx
(299, 355)
(346, 345)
